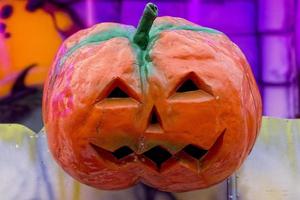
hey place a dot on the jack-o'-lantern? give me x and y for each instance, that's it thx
(171, 104)
(27, 38)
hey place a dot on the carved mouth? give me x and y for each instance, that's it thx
(158, 155)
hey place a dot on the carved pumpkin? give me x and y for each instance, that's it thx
(171, 104)
(28, 38)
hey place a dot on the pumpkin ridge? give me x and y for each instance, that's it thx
(156, 30)
(154, 34)
(143, 60)
(95, 38)
(255, 107)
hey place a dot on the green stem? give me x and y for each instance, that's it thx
(141, 37)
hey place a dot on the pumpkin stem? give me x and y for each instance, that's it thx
(141, 37)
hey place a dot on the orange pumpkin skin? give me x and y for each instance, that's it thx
(87, 128)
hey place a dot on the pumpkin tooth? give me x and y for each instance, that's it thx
(122, 152)
(194, 151)
(103, 153)
(158, 155)
(217, 145)
(119, 154)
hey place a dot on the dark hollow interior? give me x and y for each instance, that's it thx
(122, 152)
(154, 118)
(194, 151)
(158, 155)
(187, 86)
(117, 93)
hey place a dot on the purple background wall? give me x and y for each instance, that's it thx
(266, 30)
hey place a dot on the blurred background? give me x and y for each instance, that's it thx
(266, 30)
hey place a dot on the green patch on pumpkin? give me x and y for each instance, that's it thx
(141, 39)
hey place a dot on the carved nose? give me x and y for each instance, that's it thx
(154, 122)
(154, 117)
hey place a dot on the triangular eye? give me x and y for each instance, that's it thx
(117, 92)
(187, 86)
